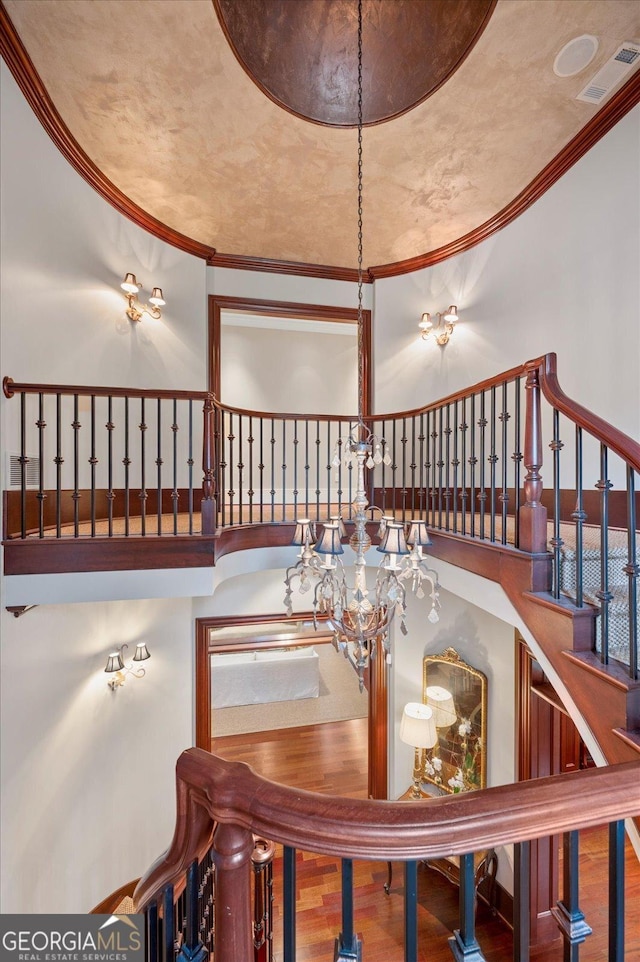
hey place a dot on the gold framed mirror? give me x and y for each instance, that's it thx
(457, 695)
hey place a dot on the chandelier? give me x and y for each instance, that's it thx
(358, 615)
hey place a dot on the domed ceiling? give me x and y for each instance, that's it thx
(152, 99)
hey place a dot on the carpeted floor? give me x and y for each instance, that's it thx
(339, 699)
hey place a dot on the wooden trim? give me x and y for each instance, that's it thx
(63, 555)
(606, 118)
(203, 649)
(31, 85)
(11, 387)
(307, 312)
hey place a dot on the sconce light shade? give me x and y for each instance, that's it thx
(441, 703)
(418, 534)
(142, 652)
(329, 542)
(425, 324)
(444, 327)
(157, 299)
(393, 541)
(304, 532)
(130, 284)
(114, 662)
(451, 314)
(417, 727)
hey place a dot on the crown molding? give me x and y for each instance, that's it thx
(28, 79)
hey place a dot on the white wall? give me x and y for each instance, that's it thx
(87, 773)
(563, 277)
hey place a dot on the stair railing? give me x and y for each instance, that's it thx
(230, 800)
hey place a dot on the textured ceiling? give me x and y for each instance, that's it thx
(153, 93)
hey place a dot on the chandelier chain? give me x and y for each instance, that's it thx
(360, 315)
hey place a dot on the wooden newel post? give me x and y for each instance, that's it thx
(533, 515)
(208, 506)
(233, 925)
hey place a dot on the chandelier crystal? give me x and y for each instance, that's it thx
(358, 615)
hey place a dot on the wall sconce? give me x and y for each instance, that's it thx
(116, 665)
(418, 728)
(131, 287)
(443, 330)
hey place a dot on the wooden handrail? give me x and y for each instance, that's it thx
(619, 442)
(11, 387)
(212, 790)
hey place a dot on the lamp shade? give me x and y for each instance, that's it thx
(418, 534)
(114, 662)
(425, 322)
(451, 314)
(384, 521)
(130, 284)
(156, 297)
(329, 541)
(337, 520)
(304, 532)
(142, 652)
(417, 727)
(393, 541)
(441, 702)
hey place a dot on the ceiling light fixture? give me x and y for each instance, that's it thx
(117, 667)
(135, 310)
(443, 330)
(355, 618)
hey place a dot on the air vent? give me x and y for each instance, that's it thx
(32, 472)
(625, 59)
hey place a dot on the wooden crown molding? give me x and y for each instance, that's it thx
(26, 76)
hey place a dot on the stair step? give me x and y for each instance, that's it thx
(631, 738)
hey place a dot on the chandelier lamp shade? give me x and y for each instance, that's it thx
(359, 614)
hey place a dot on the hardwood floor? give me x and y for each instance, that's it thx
(332, 758)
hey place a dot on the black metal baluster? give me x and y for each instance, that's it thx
(447, 477)
(347, 946)
(568, 914)
(440, 464)
(422, 495)
(174, 491)
(482, 496)
(41, 425)
(289, 909)
(339, 450)
(616, 891)
(318, 442)
(632, 570)
(261, 469)
(493, 459)
(192, 949)
(472, 462)
(434, 460)
(190, 463)
(556, 541)
(521, 895)
(23, 465)
(240, 470)
(517, 457)
(168, 926)
(75, 424)
(152, 932)
(463, 944)
(93, 461)
(413, 466)
(464, 495)
(231, 489)
(273, 469)
(307, 468)
(603, 595)
(504, 494)
(58, 461)
(250, 492)
(142, 427)
(456, 464)
(284, 470)
(329, 509)
(126, 462)
(295, 470)
(403, 489)
(411, 911)
(159, 464)
(394, 468)
(223, 466)
(110, 426)
(579, 516)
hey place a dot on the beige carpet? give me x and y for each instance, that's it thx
(339, 699)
